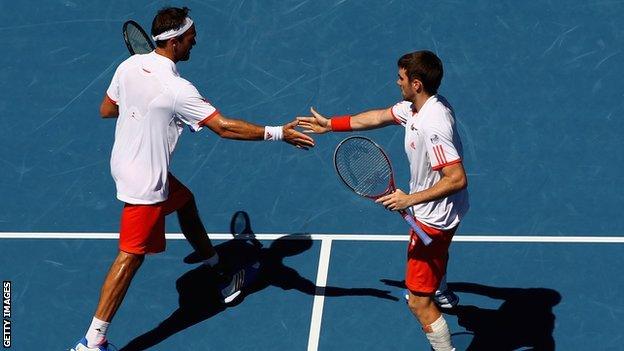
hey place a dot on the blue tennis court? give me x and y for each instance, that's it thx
(538, 96)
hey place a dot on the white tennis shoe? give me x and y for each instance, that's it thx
(231, 290)
(240, 280)
(82, 346)
(446, 299)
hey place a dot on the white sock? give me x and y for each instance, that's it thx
(212, 261)
(96, 335)
(439, 335)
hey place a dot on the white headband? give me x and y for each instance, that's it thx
(172, 33)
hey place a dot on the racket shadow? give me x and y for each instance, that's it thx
(199, 298)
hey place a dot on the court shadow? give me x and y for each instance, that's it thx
(524, 320)
(199, 298)
(273, 272)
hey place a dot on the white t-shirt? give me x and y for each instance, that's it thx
(431, 143)
(154, 104)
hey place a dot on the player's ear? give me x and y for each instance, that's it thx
(417, 85)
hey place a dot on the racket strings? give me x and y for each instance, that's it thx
(138, 41)
(363, 167)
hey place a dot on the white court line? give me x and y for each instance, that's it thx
(347, 237)
(319, 296)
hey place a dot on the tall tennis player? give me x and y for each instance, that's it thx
(438, 195)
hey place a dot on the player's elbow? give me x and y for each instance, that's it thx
(221, 130)
(456, 182)
(226, 128)
(461, 182)
(103, 112)
(107, 111)
(456, 177)
(218, 125)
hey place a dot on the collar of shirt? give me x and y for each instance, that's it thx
(429, 101)
(165, 61)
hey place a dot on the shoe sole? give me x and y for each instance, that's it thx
(232, 297)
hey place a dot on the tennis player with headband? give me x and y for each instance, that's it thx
(438, 196)
(153, 104)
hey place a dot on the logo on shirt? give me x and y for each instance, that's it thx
(435, 139)
(413, 128)
(413, 145)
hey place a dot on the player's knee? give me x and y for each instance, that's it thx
(130, 260)
(189, 208)
(191, 200)
(419, 304)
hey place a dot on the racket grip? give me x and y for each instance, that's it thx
(421, 234)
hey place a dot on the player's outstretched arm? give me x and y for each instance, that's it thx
(319, 124)
(238, 129)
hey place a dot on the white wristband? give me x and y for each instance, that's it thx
(273, 133)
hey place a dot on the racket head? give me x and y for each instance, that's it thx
(136, 39)
(240, 224)
(240, 228)
(364, 167)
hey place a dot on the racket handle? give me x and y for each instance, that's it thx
(421, 234)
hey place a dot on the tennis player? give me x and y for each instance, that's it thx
(437, 197)
(153, 104)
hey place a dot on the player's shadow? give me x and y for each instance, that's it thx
(525, 319)
(199, 298)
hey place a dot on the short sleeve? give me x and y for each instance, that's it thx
(442, 148)
(192, 108)
(113, 89)
(401, 112)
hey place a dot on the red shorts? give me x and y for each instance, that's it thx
(426, 265)
(143, 226)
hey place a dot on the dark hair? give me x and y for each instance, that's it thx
(168, 18)
(424, 66)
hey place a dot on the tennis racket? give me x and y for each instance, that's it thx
(365, 168)
(137, 41)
